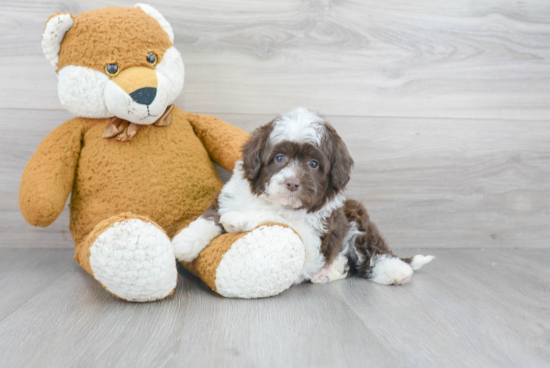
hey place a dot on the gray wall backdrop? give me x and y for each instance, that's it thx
(443, 104)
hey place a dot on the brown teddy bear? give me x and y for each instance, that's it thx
(140, 169)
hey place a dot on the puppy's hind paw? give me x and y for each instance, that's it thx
(389, 270)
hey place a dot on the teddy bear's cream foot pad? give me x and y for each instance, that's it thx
(246, 270)
(134, 260)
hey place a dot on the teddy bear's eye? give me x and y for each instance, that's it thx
(152, 58)
(111, 70)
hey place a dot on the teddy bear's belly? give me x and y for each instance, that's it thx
(164, 173)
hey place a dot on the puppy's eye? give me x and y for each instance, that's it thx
(152, 58)
(313, 164)
(280, 159)
(111, 70)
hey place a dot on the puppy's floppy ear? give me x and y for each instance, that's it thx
(254, 149)
(340, 160)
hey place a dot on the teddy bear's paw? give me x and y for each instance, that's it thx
(262, 263)
(193, 239)
(388, 270)
(134, 260)
(236, 222)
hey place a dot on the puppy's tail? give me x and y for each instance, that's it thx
(418, 261)
(366, 246)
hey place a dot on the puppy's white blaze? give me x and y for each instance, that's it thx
(53, 35)
(419, 260)
(388, 270)
(276, 188)
(192, 240)
(298, 125)
(290, 171)
(81, 90)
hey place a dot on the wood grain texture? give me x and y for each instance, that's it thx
(25, 272)
(428, 183)
(466, 59)
(468, 308)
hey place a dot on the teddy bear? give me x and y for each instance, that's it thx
(139, 169)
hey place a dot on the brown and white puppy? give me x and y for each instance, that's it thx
(294, 171)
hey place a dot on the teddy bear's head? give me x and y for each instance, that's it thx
(115, 62)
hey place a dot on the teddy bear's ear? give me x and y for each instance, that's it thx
(149, 10)
(53, 34)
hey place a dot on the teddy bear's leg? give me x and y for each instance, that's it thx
(131, 256)
(255, 264)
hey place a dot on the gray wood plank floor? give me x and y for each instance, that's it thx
(469, 308)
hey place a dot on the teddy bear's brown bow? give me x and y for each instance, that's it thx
(123, 131)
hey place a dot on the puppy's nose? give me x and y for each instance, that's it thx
(292, 184)
(144, 95)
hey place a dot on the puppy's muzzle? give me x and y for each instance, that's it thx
(292, 184)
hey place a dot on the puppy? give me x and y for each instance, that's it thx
(294, 171)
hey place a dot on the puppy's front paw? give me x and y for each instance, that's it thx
(236, 222)
(193, 239)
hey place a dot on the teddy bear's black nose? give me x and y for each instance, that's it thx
(144, 95)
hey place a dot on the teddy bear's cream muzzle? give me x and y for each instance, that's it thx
(138, 94)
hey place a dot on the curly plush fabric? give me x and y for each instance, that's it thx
(134, 260)
(49, 175)
(264, 262)
(225, 149)
(164, 173)
(110, 26)
(255, 264)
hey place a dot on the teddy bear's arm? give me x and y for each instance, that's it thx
(48, 177)
(222, 141)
